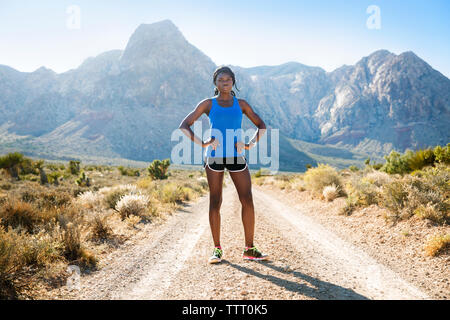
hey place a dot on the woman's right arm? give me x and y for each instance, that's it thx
(189, 120)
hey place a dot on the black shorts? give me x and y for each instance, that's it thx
(233, 164)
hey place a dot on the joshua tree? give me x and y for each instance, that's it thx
(10, 163)
(40, 166)
(158, 169)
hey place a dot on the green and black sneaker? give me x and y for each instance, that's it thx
(216, 256)
(252, 253)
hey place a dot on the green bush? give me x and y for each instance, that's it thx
(442, 155)
(129, 171)
(395, 163)
(11, 162)
(74, 167)
(113, 196)
(83, 180)
(27, 166)
(54, 176)
(377, 166)
(158, 169)
(415, 160)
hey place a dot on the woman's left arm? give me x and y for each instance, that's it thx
(254, 117)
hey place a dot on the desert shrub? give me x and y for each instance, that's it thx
(54, 176)
(89, 199)
(261, 173)
(419, 159)
(130, 188)
(10, 261)
(68, 232)
(112, 197)
(132, 204)
(283, 177)
(10, 245)
(10, 162)
(378, 178)
(53, 166)
(83, 180)
(353, 168)
(203, 184)
(411, 195)
(54, 198)
(129, 171)
(431, 211)
(41, 249)
(70, 236)
(318, 178)
(349, 206)
(438, 176)
(330, 192)
(158, 169)
(415, 160)
(145, 183)
(377, 166)
(100, 229)
(437, 244)
(6, 186)
(395, 163)
(19, 214)
(74, 167)
(27, 166)
(394, 197)
(442, 154)
(187, 193)
(171, 193)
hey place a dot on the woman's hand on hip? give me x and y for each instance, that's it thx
(211, 141)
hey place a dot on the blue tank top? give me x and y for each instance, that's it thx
(222, 118)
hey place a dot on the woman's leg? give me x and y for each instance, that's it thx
(242, 181)
(215, 182)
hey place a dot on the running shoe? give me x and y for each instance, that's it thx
(254, 254)
(216, 256)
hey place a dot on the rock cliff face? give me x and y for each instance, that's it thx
(126, 103)
(386, 101)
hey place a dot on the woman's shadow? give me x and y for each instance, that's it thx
(320, 290)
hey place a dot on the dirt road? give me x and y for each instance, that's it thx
(308, 261)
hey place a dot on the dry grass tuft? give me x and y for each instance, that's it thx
(437, 244)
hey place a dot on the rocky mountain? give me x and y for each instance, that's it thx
(386, 102)
(126, 103)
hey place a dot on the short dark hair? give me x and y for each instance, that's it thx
(227, 70)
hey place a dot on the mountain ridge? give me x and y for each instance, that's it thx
(126, 103)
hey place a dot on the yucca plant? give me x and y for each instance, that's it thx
(158, 169)
(11, 162)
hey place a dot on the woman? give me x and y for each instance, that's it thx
(225, 112)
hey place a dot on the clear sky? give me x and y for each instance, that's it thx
(325, 33)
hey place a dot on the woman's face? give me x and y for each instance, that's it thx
(224, 82)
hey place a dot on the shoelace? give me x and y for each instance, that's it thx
(217, 252)
(254, 249)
